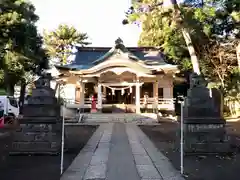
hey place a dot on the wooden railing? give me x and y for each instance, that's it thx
(142, 101)
(160, 101)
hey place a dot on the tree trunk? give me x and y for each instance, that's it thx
(191, 51)
(22, 96)
(30, 87)
(56, 87)
(173, 5)
(238, 55)
(10, 89)
(9, 85)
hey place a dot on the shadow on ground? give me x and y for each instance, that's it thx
(47, 167)
(197, 167)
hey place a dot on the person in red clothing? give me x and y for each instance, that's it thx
(93, 106)
(2, 122)
(7, 122)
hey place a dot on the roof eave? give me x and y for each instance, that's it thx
(60, 67)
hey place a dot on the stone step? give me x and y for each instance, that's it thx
(122, 117)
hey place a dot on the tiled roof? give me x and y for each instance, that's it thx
(87, 57)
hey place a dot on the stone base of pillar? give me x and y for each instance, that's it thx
(205, 138)
(138, 111)
(41, 138)
(6, 138)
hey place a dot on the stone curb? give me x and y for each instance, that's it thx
(161, 162)
(77, 169)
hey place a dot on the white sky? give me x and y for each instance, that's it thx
(100, 19)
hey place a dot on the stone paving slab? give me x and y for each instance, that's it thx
(145, 167)
(161, 162)
(99, 160)
(121, 164)
(142, 159)
(96, 172)
(150, 179)
(148, 172)
(80, 164)
(98, 165)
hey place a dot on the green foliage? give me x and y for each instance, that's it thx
(220, 62)
(236, 16)
(2, 92)
(213, 26)
(20, 44)
(59, 43)
(1, 76)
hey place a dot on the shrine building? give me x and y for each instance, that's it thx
(126, 77)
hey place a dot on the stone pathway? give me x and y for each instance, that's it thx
(120, 151)
(121, 162)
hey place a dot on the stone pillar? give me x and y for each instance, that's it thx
(82, 95)
(137, 97)
(99, 98)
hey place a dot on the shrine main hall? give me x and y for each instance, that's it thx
(133, 78)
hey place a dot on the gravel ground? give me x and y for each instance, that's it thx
(47, 167)
(210, 167)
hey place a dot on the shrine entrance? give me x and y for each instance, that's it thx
(123, 96)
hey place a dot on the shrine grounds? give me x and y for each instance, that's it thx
(198, 167)
(163, 135)
(47, 167)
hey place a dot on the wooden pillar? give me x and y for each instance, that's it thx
(168, 92)
(137, 98)
(82, 94)
(155, 89)
(77, 95)
(168, 89)
(99, 98)
(104, 90)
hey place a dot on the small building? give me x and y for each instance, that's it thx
(137, 78)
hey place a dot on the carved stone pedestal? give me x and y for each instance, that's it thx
(40, 129)
(5, 145)
(37, 138)
(205, 138)
(204, 126)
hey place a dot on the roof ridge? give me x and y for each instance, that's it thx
(119, 46)
(109, 53)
